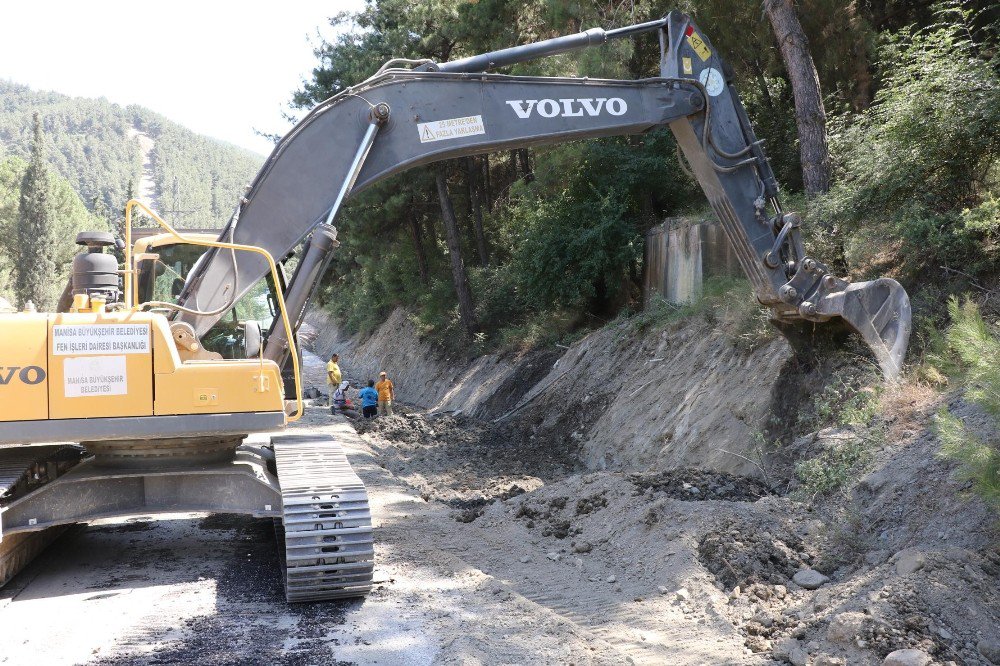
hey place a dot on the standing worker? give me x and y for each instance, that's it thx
(385, 394)
(333, 376)
(369, 400)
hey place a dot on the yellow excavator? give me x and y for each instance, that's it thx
(149, 377)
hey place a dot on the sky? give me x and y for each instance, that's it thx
(218, 67)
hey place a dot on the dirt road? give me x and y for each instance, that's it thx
(194, 588)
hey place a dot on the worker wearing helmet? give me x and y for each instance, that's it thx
(386, 394)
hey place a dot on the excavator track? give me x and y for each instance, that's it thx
(22, 469)
(326, 525)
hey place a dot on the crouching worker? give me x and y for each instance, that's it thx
(369, 400)
(340, 403)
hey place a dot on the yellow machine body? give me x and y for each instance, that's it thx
(119, 364)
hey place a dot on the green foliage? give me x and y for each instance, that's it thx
(920, 162)
(198, 180)
(91, 146)
(724, 301)
(849, 401)
(34, 231)
(979, 462)
(850, 397)
(95, 147)
(974, 348)
(49, 253)
(572, 251)
(831, 469)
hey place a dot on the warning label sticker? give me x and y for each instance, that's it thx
(695, 41)
(95, 376)
(74, 339)
(453, 128)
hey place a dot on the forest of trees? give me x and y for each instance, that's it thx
(880, 119)
(40, 215)
(93, 146)
(91, 164)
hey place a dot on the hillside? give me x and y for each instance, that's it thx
(665, 485)
(95, 146)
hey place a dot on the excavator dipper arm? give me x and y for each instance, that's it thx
(399, 119)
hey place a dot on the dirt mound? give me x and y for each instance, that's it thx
(694, 485)
(737, 556)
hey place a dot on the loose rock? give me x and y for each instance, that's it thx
(907, 658)
(810, 579)
(845, 627)
(908, 561)
(798, 657)
(828, 660)
(783, 648)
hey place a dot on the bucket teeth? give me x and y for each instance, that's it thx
(326, 532)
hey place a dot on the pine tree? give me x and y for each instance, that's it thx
(810, 114)
(35, 268)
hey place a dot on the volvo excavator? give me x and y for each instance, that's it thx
(150, 376)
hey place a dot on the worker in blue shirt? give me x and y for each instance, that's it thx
(369, 400)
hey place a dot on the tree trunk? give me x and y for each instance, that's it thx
(472, 172)
(466, 312)
(810, 116)
(525, 160)
(418, 245)
(487, 184)
(762, 83)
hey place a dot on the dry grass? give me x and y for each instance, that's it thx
(913, 404)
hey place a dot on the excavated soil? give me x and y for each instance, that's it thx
(739, 558)
(705, 551)
(462, 462)
(622, 480)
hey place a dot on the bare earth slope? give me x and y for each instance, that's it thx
(629, 400)
(908, 559)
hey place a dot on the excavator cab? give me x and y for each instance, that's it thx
(163, 265)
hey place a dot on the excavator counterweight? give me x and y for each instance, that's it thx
(158, 382)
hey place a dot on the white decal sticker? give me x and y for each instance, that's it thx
(453, 128)
(712, 79)
(568, 108)
(74, 339)
(91, 376)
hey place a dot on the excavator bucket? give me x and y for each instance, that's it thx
(879, 311)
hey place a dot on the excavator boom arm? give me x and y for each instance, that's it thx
(399, 119)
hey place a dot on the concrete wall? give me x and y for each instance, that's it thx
(680, 254)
